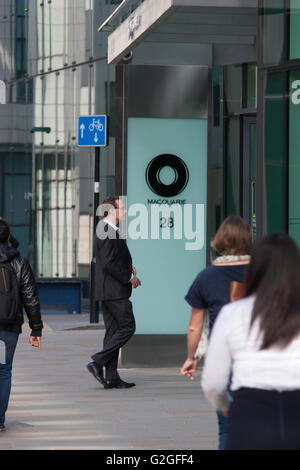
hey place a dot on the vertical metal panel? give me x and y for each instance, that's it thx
(285, 153)
(261, 210)
(121, 127)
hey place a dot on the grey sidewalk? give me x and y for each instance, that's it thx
(57, 405)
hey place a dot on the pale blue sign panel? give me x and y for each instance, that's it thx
(167, 164)
(92, 131)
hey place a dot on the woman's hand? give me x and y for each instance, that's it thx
(189, 367)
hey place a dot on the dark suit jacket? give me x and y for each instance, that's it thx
(113, 265)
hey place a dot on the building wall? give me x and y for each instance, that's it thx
(279, 73)
(53, 62)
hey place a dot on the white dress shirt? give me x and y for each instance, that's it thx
(233, 347)
(112, 225)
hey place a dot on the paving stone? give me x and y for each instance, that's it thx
(57, 405)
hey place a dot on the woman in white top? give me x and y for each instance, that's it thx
(211, 290)
(257, 339)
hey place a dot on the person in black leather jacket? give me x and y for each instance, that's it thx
(9, 333)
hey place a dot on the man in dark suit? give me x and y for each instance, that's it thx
(115, 277)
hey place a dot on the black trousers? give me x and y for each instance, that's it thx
(264, 420)
(120, 326)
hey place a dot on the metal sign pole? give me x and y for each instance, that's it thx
(92, 132)
(94, 304)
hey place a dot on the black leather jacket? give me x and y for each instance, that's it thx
(28, 292)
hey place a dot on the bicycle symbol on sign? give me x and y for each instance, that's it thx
(96, 124)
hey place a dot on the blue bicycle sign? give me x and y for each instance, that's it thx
(96, 124)
(92, 131)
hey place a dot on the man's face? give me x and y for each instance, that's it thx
(120, 210)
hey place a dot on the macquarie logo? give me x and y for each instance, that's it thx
(180, 178)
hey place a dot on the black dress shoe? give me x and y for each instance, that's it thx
(96, 371)
(119, 384)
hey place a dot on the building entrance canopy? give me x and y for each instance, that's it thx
(183, 32)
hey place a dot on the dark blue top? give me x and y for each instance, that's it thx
(211, 288)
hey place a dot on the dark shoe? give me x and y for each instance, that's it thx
(2, 428)
(119, 384)
(96, 371)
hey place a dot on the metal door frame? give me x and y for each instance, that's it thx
(247, 120)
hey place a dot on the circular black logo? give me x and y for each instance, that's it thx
(181, 175)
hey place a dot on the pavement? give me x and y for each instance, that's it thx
(56, 404)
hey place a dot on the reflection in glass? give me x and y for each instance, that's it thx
(46, 182)
(294, 162)
(273, 31)
(233, 168)
(294, 29)
(233, 87)
(251, 86)
(273, 151)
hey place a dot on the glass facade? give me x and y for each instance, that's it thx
(240, 97)
(281, 152)
(251, 96)
(54, 68)
(53, 63)
(294, 156)
(274, 151)
(273, 39)
(233, 94)
(294, 52)
(280, 39)
(280, 65)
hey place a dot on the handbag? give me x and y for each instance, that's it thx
(203, 343)
(237, 291)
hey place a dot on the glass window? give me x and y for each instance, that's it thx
(20, 7)
(273, 151)
(294, 156)
(47, 37)
(15, 186)
(273, 31)
(251, 86)
(233, 81)
(294, 29)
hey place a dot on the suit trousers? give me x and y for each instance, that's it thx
(120, 326)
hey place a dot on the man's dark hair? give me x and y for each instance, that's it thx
(273, 276)
(110, 201)
(4, 231)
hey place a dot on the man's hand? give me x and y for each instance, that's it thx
(35, 341)
(135, 282)
(133, 271)
(189, 367)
